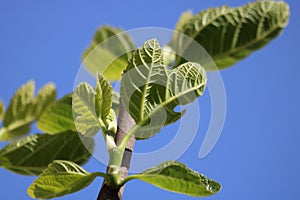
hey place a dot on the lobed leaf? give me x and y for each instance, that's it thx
(150, 90)
(108, 52)
(231, 34)
(176, 177)
(58, 117)
(32, 154)
(24, 109)
(59, 179)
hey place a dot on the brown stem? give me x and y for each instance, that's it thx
(125, 123)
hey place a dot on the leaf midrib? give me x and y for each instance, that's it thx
(157, 108)
(90, 109)
(142, 107)
(232, 50)
(50, 140)
(92, 175)
(173, 179)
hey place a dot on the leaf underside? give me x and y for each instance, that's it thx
(58, 117)
(108, 53)
(84, 107)
(32, 154)
(231, 34)
(24, 109)
(103, 99)
(150, 90)
(176, 177)
(59, 179)
(92, 107)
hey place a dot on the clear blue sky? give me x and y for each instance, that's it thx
(257, 156)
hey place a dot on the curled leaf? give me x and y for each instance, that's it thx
(150, 91)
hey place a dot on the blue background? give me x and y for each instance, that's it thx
(257, 156)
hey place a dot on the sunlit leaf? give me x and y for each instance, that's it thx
(93, 107)
(103, 97)
(176, 177)
(45, 97)
(59, 179)
(58, 117)
(84, 106)
(25, 108)
(231, 34)
(150, 90)
(108, 52)
(32, 154)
